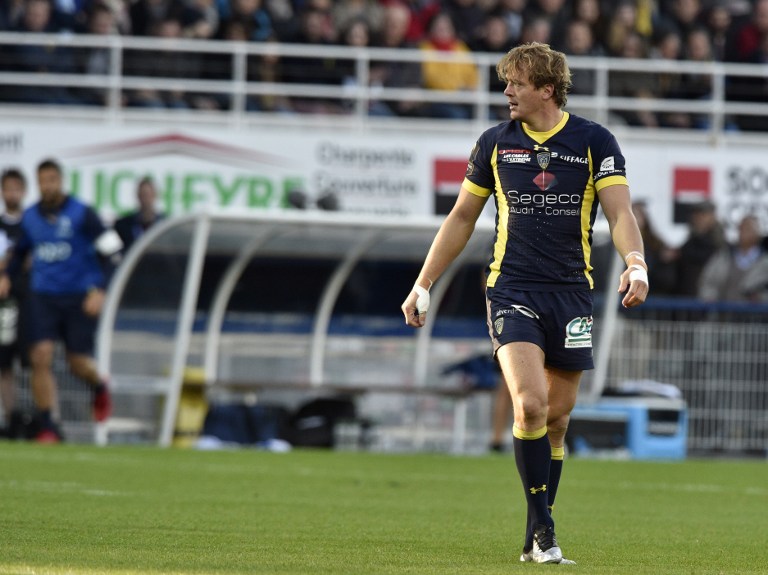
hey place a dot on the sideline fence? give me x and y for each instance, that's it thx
(717, 355)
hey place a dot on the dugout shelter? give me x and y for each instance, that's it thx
(302, 300)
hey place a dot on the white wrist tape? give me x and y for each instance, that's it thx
(637, 255)
(422, 302)
(638, 272)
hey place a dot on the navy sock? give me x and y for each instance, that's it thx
(532, 456)
(555, 470)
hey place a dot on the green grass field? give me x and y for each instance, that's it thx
(86, 510)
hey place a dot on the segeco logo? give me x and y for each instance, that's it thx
(541, 200)
(53, 251)
(552, 204)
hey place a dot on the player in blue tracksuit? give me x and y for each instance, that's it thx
(547, 171)
(69, 245)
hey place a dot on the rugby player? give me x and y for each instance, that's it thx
(547, 170)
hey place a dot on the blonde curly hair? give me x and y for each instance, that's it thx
(543, 66)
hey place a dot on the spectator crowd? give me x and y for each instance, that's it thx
(696, 30)
(707, 266)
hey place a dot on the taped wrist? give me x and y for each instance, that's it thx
(638, 272)
(636, 255)
(422, 302)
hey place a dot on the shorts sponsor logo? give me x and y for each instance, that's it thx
(578, 332)
(516, 309)
(526, 311)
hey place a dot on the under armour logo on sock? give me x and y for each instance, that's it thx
(535, 490)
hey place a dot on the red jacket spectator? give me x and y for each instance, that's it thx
(422, 12)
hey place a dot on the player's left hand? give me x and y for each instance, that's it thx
(634, 281)
(93, 302)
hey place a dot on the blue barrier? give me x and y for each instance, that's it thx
(649, 428)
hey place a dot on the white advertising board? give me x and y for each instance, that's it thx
(407, 174)
(198, 169)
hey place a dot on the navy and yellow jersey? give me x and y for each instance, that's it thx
(545, 186)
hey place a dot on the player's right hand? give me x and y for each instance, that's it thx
(634, 281)
(415, 306)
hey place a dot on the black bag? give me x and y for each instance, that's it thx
(313, 423)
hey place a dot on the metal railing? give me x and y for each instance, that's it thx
(715, 354)
(236, 86)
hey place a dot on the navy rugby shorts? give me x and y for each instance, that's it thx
(61, 317)
(559, 322)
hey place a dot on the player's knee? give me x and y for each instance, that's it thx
(81, 366)
(530, 408)
(558, 425)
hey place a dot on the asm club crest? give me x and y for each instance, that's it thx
(544, 180)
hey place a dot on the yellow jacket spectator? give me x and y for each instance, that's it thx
(457, 74)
